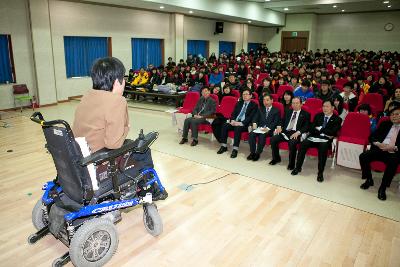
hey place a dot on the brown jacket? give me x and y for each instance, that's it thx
(102, 118)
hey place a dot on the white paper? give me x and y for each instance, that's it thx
(260, 130)
(317, 140)
(348, 155)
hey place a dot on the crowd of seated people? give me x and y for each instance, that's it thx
(341, 79)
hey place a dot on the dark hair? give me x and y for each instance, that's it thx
(270, 97)
(105, 71)
(296, 97)
(205, 88)
(340, 106)
(306, 83)
(248, 90)
(364, 107)
(329, 101)
(325, 82)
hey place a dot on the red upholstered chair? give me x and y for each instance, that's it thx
(375, 101)
(313, 103)
(282, 89)
(236, 93)
(280, 107)
(189, 102)
(255, 95)
(275, 97)
(340, 82)
(355, 129)
(227, 106)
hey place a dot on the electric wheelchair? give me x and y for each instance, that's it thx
(80, 210)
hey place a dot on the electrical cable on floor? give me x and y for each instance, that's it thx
(219, 178)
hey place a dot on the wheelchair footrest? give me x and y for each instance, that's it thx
(33, 238)
(61, 261)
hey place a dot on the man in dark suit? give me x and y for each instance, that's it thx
(239, 122)
(205, 107)
(290, 129)
(385, 144)
(325, 127)
(266, 119)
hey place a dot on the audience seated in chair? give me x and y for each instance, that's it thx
(324, 127)
(385, 144)
(304, 92)
(266, 120)
(204, 108)
(240, 119)
(141, 79)
(294, 124)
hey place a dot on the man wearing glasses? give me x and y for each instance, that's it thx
(385, 143)
(239, 122)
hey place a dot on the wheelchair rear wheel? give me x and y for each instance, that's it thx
(94, 243)
(152, 220)
(38, 216)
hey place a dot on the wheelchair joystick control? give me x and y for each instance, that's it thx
(141, 138)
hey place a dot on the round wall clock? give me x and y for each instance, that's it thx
(389, 26)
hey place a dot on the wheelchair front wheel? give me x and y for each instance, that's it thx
(38, 219)
(152, 220)
(94, 243)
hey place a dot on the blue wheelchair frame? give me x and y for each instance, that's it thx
(103, 207)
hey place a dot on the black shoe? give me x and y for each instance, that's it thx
(290, 167)
(367, 184)
(251, 156)
(295, 171)
(320, 177)
(222, 149)
(160, 195)
(256, 157)
(274, 162)
(234, 153)
(194, 142)
(382, 193)
(184, 140)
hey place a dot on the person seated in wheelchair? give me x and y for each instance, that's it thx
(102, 119)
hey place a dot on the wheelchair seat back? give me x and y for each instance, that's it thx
(71, 176)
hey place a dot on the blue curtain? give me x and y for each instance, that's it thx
(5, 61)
(81, 52)
(196, 47)
(226, 47)
(253, 46)
(146, 51)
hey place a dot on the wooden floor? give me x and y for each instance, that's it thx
(235, 221)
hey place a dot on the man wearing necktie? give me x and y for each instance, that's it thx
(266, 120)
(294, 123)
(205, 107)
(241, 117)
(385, 143)
(325, 127)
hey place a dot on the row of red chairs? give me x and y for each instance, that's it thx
(355, 129)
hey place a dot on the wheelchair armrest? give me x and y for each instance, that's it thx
(105, 154)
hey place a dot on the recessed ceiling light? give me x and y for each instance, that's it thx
(386, 2)
(249, 21)
(286, 9)
(342, 10)
(190, 11)
(267, 0)
(334, 6)
(389, 6)
(162, 7)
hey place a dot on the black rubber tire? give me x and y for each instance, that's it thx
(37, 216)
(93, 228)
(152, 220)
